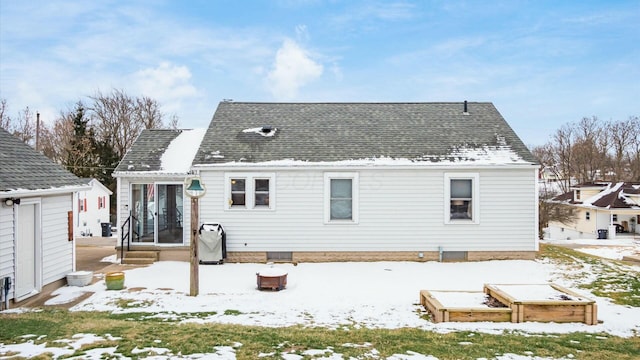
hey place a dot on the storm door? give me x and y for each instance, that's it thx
(170, 210)
(143, 213)
(157, 214)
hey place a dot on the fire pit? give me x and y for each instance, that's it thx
(271, 279)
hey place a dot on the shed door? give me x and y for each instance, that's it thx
(26, 276)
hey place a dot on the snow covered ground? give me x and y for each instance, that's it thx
(335, 295)
(607, 248)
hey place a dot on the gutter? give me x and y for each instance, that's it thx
(43, 192)
(303, 166)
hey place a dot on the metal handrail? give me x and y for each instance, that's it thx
(128, 225)
(124, 235)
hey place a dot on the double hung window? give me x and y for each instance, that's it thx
(249, 191)
(341, 198)
(461, 198)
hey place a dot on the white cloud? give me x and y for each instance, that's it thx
(168, 83)
(293, 69)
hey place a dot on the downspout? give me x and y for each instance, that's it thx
(440, 251)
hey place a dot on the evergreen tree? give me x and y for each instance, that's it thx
(81, 155)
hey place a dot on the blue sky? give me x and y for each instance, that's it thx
(542, 63)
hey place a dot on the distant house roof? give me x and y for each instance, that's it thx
(23, 169)
(427, 133)
(95, 182)
(621, 195)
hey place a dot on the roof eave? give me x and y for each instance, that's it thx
(43, 192)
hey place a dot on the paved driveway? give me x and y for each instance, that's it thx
(90, 250)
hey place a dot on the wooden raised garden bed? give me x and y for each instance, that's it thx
(544, 303)
(463, 306)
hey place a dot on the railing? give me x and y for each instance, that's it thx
(125, 230)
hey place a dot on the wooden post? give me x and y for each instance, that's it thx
(194, 281)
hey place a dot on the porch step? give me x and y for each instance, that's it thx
(140, 257)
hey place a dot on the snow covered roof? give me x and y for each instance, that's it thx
(161, 152)
(282, 134)
(621, 195)
(343, 134)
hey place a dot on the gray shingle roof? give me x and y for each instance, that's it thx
(21, 167)
(326, 132)
(146, 152)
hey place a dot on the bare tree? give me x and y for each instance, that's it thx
(633, 152)
(589, 151)
(5, 120)
(114, 117)
(550, 211)
(148, 113)
(562, 150)
(119, 118)
(173, 122)
(622, 137)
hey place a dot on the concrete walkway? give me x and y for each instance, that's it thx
(89, 253)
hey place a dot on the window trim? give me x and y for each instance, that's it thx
(249, 190)
(475, 197)
(355, 197)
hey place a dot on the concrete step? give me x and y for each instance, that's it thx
(142, 254)
(140, 257)
(138, 261)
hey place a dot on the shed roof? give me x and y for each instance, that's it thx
(23, 168)
(245, 132)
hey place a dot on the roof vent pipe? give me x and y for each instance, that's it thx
(465, 112)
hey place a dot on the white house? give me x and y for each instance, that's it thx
(36, 219)
(92, 209)
(601, 209)
(339, 181)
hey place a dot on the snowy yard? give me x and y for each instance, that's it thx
(334, 295)
(344, 295)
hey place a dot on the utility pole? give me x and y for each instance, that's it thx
(37, 131)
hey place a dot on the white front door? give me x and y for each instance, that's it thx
(26, 283)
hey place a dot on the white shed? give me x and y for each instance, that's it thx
(36, 219)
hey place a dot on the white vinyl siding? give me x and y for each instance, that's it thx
(7, 264)
(399, 210)
(57, 250)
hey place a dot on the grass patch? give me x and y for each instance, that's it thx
(603, 277)
(190, 338)
(130, 303)
(232, 312)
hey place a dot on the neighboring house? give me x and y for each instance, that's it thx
(339, 182)
(550, 174)
(36, 218)
(92, 209)
(599, 207)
